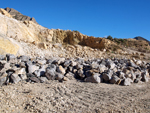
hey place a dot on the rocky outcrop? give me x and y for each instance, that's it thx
(17, 15)
(30, 32)
(75, 37)
(27, 31)
(2, 11)
(99, 43)
(139, 45)
(141, 38)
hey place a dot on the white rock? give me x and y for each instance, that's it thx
(23, 76)
(15, 78)
(32, 68)
(127, 82)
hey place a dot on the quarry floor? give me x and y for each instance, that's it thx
(74, 97)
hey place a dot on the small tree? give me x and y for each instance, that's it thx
(110, 37)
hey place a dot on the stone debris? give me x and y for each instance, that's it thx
(59, 76)
(127, 82)
(15, 78)
(94, 78)
(60, 69)
(39, 70)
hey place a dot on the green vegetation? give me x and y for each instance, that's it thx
(110, 37)
(76, 31)
(112, 52)
(118, 40)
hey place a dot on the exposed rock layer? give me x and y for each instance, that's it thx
(4, 12)
(36, 35)
(8, 46)
(17, 15)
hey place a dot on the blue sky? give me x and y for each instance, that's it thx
(99, 18)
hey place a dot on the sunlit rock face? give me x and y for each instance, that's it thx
(17, 15)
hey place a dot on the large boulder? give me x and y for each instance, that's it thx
(102, 68)
(115, 80)
(15, 78)
(107, 75)
(32, 68)
(50, 73)
(127, 82)
(94, 78)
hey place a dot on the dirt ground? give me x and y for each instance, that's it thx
(74, 97)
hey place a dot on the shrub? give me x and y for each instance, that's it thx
(76, 31)
(110, 37)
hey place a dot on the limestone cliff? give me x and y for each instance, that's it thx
(34, 39)
(17, 15)
(30, 32)
(8, 46)
(2, 11)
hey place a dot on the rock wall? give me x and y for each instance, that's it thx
(27, 31)
(2, 11)
(7, 46)
(99, 43)
(74, 37)
(30, 32)
(17, 15)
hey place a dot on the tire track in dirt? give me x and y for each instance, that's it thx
(75, 97)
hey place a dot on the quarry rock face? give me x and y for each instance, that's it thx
(4, 12)
(17, 15)
(68, 43)
(99, 43)
(7, 46)
(30, 32)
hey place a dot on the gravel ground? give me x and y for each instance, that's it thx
(74, 97)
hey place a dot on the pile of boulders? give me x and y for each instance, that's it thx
(38, 70)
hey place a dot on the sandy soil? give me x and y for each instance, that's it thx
(74, 97)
